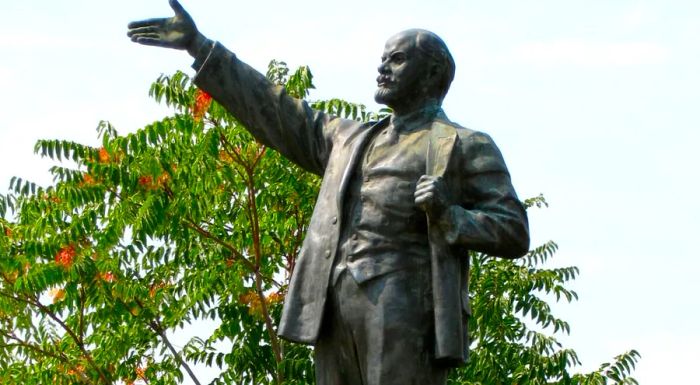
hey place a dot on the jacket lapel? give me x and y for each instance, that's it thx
(449, 342)
(356, 148)
(442, 142)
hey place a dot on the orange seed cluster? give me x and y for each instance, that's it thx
(202, 101)
(65, 256)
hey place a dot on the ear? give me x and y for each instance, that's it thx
(433, 69)
(433, 74)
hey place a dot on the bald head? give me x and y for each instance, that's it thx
(432, 46)
(416, 69)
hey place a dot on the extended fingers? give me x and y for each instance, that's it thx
(145, 29)
(135, 33)
(154, 41)
(146, 37)
(157, 22)
(173, 32)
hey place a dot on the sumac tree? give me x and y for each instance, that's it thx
(190, 219)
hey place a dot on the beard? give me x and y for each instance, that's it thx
(395, 95)
(385, 95)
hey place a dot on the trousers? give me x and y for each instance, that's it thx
(379, 332)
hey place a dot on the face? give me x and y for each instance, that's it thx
(403, 76)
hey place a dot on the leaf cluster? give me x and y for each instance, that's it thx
(189, 220)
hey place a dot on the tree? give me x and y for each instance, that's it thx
(514, 329)
(189, 218)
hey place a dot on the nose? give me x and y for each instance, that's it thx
(383, 68)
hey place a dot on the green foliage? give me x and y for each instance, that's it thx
(190, 219)
(514, 328)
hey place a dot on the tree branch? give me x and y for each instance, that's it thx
(156, 327)
(45, 310)
(257, 248)
(206, 234)
(81, 315)
(27, 345)
(75, 338)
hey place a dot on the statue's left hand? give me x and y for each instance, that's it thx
(178, 32)
(431, 195)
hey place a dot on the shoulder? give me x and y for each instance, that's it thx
(466, 136)
(349, 130)
(477, 149)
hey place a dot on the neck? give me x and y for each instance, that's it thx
(424, 108)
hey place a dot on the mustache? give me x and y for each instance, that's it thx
(384, 80)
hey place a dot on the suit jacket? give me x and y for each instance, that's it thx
(486, 215)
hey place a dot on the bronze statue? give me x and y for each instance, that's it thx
(380, 285)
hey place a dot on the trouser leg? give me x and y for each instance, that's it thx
(335, 356)
(379, 333)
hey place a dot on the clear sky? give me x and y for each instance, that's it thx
(594, 103)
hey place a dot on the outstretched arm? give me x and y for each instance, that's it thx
(177, 32)
(286, 124)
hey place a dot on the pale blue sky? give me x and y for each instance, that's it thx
(593, 103)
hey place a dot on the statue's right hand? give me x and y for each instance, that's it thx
(177, 32)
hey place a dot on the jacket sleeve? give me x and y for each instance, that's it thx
(287, 124)
(489, 217)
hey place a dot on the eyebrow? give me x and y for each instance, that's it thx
(393, 53)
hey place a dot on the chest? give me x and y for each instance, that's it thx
(391, 154)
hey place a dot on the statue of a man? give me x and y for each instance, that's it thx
(380, 285)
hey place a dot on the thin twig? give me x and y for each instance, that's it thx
(255, 221)
(228, 246)
(75, 338)
(60, 357)
(155, 325)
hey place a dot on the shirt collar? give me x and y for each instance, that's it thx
(416, 118)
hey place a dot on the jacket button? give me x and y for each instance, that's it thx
(334, 220)
(328, 253)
